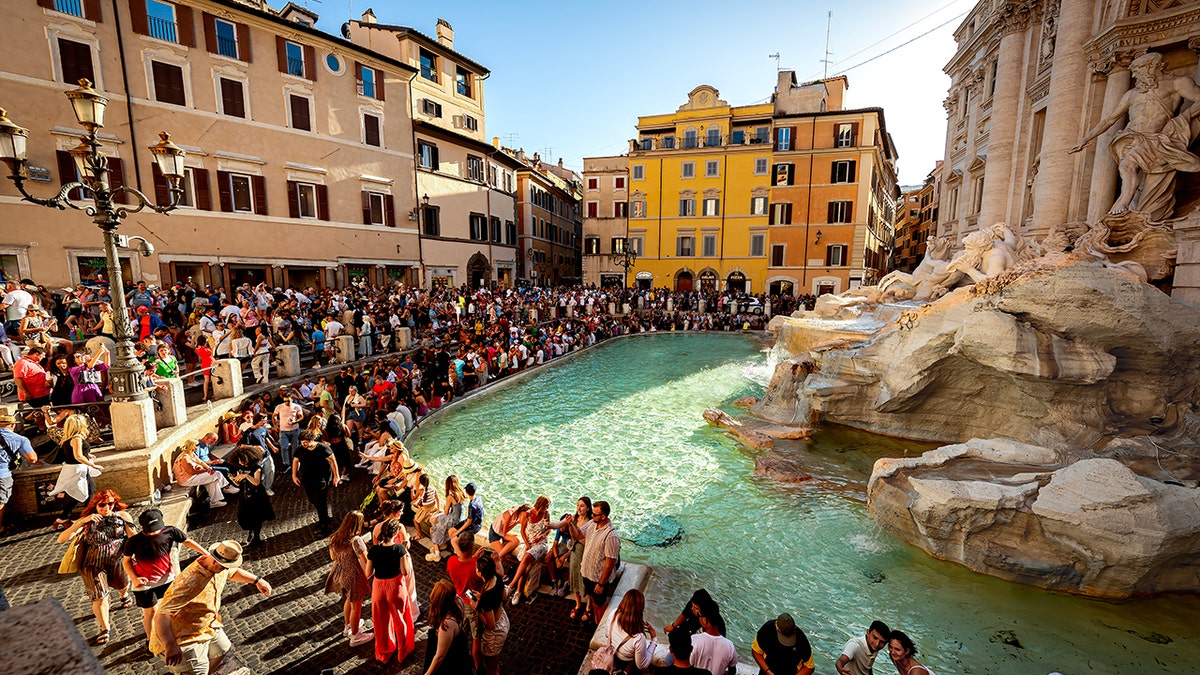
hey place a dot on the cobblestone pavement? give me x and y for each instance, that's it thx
(297, 630)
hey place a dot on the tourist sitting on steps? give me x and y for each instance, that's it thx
(191, 472)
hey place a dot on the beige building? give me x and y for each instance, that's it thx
(605, 220)
(549, 224)
(299, 144)
(468, 224)
(916, 221)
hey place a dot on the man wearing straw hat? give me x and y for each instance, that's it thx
(187, 624)
(12, 444)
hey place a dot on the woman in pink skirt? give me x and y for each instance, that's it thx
(392, 609)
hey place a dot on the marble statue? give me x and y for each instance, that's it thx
(904, 286)
(1153, 146)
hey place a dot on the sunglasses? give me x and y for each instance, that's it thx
(108, 504)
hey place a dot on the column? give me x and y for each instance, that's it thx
(1068, 79)
(998, 188)
(1103, 191)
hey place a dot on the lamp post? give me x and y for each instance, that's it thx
(126, 374)
(624, 257)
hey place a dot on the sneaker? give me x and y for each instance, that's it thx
(361, 639)
(516, 598)
(434, 556)
(216, 505)
(363, 464)
(270, 492)
(232, 489)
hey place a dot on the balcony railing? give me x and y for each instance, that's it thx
(72, 7)
(295, 66)
(162, 29)
(227, 46)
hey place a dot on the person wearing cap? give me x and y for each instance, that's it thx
(188, 632)
(858, 656)
(147, 561)
(780, 648)
(12, 445)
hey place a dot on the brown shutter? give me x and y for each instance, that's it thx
(854, 133)
(323, 202)
(187, 26)
(379, 84)
(162, 191)
(224, 191)
(76, 61)
(301, 118)
(829, 212)
(828, 256)
(853, 168)
(66, 172)
(293, 200)
(137, 17)
(260, 194)
(91, 10)
(116, 179)
(358, 75)
(787, 214)
(389, 211)
(48, 4)
(210, 32)
(281, 53)
(203, 194)
(366, 204)
(310, 63)
(371, 130)
(243, 38)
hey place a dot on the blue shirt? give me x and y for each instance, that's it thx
(202, 453)
(475, 513)
(318, 339)
(20, 445)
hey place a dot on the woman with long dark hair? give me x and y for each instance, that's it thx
(391, 606)
(583, 514)
(254, 504)
(102, 529)
(448, 651)
(492, 619)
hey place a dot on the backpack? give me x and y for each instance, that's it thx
(605, 657)
(11, 454)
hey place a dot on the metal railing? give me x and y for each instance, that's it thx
(162, 29)
(72, 7)
(227, 46)
(295, 66)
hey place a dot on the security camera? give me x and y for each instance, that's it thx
(145, 248)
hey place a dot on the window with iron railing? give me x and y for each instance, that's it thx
(689, 139)
(226, 38)
(713, 138)
(160, 17)
(295, 59)
(668, 142)
(72, 7)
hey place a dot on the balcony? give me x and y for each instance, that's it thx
(295, 66)
(72, 7)
(162, 29)
(227, 46)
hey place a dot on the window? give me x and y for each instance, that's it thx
(237, 191)
(777, 254)
(843, 171)
(709, 246)
(689, 138)
(76, 61)
(463, 82)
(478, 227)
(639, 209)
(233, 101)
(301, 113)
(835, 255)
(668, 142)
(782, 174)
(781, 213)
(72, 7)
(953, 207)
(977, 203)
(758, 206)
(510, 233)
(688, 170)
(493, 175)
(593, 183)
(757, 245)
(783, 139)
(591, 246)
(431, 108)
(618, 182)
(226, 35)
(371, 134)
(647, 144)
(685, 246)
(761, 135)
(712, 168)
(160, 17)
(431, 221)
(617, 245)
(761, 166)
(333, 63)
(992, 78)
(366, 81)
(712, 207)
(620, 209)
(188, 198)
(713, 137)
(635, 245)
(494, 222)
(739, 137)
(377, 208)
(841, 212)
(638, 171)
(687, 207)
(168, 83)
(475, 168)
(470, 123)
(593, 210)
(295, 59)
(429, 65)
(427, 155)
(305, 196)
(844, 135)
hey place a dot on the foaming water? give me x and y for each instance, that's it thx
(623, 422)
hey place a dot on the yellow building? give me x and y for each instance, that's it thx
(699, 184)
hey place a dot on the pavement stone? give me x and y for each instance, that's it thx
(297, 630)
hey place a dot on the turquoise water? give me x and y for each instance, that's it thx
(623, 422)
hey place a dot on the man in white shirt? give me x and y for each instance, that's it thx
(858, 656)
(333, 328)
(712, 651)
(15, 304)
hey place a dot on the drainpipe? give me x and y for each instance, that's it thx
(812, 152)
(137, 170)
(416, 188)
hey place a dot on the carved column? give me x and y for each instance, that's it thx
(1013, 23)
(1068, 80)
(1103, 190)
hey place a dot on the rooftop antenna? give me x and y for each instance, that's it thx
(776, 57)
(828, 24)
(511, 138)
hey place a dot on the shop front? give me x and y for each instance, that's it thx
(645, 280)
(736, 282)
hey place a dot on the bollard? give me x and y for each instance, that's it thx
(287, 361)
(174, 410)
(624, 307)
(403, 339)
(703, 305)
(612, 308)
(533, 316)
(133, 424)
(227, 378)
(343, 349)
(670, 304)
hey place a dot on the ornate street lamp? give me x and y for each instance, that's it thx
(126, 374)
(624, 257)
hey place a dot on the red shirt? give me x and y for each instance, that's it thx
(462, 574)
(33, 376)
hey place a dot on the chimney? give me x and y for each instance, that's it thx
(495, 141)
(369, 16)
(445, 34)
(560, 162)
(521, 154)
(787, 80)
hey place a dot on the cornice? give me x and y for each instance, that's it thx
(1136, 34)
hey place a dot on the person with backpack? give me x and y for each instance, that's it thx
(12, 446)
(631, 639)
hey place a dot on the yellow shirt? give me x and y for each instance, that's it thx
(194, 603)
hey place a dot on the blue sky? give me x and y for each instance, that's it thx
(569, 78)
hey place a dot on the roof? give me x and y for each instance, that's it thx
(301, 28)
(431, 42)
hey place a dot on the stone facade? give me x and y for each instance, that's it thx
(549, 224)
(605, 219)
(916, 221)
